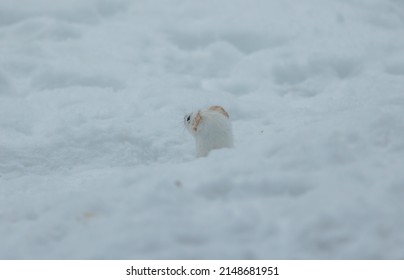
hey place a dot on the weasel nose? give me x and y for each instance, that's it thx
(187, 118)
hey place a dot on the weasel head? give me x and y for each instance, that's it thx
(193, 120)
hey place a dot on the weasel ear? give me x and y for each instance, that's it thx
(197, 121)
(220, 110)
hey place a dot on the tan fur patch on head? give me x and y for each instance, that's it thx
(220, 110)
(197, 121)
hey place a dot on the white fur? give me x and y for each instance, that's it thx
(214, 130)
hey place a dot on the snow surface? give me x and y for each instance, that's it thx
(95, 162)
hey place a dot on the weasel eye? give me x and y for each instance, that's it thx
(188, 118)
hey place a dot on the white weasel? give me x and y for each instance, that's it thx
(211, 128)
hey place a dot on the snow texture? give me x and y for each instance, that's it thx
(95, 162)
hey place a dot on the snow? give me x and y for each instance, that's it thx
(95, 162)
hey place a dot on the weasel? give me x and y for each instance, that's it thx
(211, 129)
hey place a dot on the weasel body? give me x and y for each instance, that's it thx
(211, 129)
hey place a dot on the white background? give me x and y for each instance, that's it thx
(109, 270)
